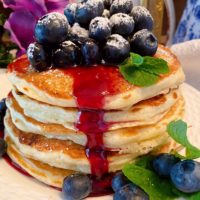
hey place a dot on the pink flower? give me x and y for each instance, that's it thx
(22, 20)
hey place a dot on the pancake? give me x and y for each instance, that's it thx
(115, 139)
(146, 112)
(55, 86)
(47, 174)
(67, 155)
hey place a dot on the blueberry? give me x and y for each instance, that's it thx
(144, 43)
(90, 52)
(2, 111)
(119, 181)
(83, 14)
(86, 11)
(70, 11)
(130, 192)
(51, 29)
(163, 163)
(116, 49)
(79, 41)
(97, 6)
(142, 18)
(3, 147)
(121, 6)
(39, 57)
(185, 175)
(77, 31)
(106, 13)
(68, 54)
(122, 24)
(100, 28)
(76, 187)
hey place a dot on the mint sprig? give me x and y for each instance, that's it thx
(152, 184)
(141, 173)
(143, 71)
(156, 187)
(178, 131)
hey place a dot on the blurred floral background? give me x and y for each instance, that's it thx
(17, 22)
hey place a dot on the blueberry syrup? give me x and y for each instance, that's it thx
(91, 86)
(91, 123)
(19, 65)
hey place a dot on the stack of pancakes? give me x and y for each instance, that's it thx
(42, 112)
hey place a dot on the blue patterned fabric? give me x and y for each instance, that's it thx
(189, 26)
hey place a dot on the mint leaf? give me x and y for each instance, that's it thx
(141, 174)
(154, 186)
(178, 131)
(145, 161)
(127, 63)
(2, 19)
(143, 71)
(195, 196)
(155, 65)
(136, 59)
(138, 77)
(191, 196)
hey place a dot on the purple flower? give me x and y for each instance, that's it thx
(22, 20)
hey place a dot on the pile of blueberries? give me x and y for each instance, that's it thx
(185, 176)
(92, 32)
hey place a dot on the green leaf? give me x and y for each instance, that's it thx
(195, 196)
(127, 63)
(2, 19)
(138, 77)
(155, 187)
(143, 71)
(191, 196)
(136, 59)
(5, 55)
(145, 161)
(155, 65)
(178, 131)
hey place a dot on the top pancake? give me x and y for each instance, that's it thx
(55, 86)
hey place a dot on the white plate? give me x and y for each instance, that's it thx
(15, 186)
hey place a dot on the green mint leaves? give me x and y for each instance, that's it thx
(141, 173)
(156, 187)
(143, 71)
(146, 179)
(178, 131)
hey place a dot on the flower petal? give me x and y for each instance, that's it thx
(21, 24)
(36, 7)
(56, 5)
